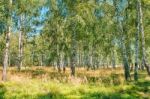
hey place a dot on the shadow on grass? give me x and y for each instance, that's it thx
(34, 73)
(2, 91)
(38, 72)
(83, 96)
(28, 96)
(143, 83)
(51, 96)
(134, 92)
(140, 90)
(98, 95)
(142, 86)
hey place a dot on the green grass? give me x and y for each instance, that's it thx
(36, 89)
(106, 88)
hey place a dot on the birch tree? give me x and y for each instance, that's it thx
(8, 6)
(141, 29)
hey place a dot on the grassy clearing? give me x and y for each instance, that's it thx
(46, 83)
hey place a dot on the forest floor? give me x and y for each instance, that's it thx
(47, 83)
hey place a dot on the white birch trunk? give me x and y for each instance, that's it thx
(6, 53)
(143, 37)
(20, 43)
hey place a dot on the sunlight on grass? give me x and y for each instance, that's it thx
(35, 89)
(110, 86)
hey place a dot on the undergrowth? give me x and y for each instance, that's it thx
(48, 84)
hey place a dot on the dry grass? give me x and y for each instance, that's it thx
(49, 73)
